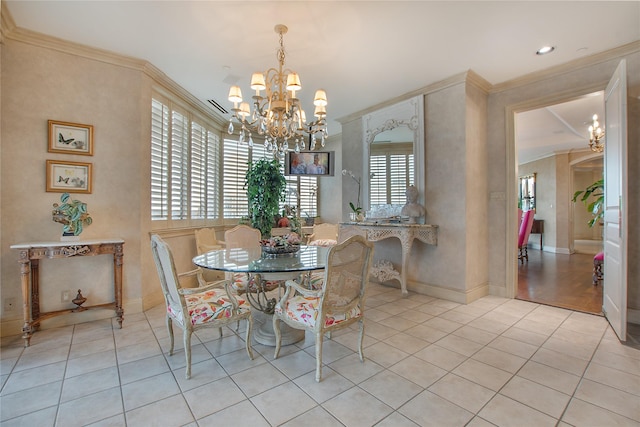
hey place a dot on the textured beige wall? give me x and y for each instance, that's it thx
(40, 84)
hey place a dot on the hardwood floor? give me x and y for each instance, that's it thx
(560, 280)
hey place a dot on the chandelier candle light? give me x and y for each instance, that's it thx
(596, 136)
(278, 115)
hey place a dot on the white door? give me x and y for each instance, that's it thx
(614, 304)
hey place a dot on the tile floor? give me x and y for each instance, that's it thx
(429, 362)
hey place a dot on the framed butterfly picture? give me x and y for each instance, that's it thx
(70, 138)
(68, 177)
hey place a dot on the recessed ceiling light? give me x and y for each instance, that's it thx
(544, 50)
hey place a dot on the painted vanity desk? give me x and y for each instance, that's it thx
(406, 233)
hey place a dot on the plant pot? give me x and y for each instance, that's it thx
(69, 237)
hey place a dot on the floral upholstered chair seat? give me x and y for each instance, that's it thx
(206, 306)
(241, 282)
(305, 310)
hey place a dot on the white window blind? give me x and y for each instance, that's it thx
(391, 168)
(236, 158)
(159, 160)
(185, 167)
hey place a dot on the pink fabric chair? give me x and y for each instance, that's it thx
(523, 235)
(519, 218)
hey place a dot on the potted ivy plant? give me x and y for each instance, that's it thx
(72, 214)
(265, 187)
(593, 199)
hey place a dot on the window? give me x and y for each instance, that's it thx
(391, 169)
(185, 166)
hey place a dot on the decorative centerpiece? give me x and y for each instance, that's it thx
(72, 214)
(288, 244)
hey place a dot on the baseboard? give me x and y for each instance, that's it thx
(449, 294)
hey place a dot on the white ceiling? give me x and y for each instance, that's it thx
(361, 52)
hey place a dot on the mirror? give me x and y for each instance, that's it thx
(393, 154)
(391, 166)
(527, 192)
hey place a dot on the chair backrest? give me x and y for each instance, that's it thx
(346, 231)
(325, 230)
(525, 228)
(346, 276)
(206, 240)
(242, 236)
(519, 219)
(167, 274)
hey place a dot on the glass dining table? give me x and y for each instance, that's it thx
(265, 270)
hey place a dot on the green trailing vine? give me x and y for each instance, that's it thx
(72, 214)
(265, 187)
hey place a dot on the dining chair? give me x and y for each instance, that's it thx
(325, 234)
(213, 305)
(206, 241)
(523, 235)
(338, 303)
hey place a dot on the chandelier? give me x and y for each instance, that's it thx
(278, 115)
(596, 136)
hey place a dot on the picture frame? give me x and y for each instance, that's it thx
(70, 138)
(68, 177)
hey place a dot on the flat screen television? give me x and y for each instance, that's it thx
(309, 163)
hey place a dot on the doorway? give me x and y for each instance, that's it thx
(552, 145)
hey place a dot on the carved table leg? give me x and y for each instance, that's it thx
(117, 281)
(406, 250)
(25, 270)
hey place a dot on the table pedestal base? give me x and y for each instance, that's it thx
(263, 332)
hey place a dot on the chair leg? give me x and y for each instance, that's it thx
(278, 335)
(360, 340)
(170, 331)
(248, 337)
(187, 351)
(319, 339)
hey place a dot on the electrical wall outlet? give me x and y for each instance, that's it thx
(9, 304)
(65, 296)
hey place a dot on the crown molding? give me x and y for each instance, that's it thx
(11, 32)
(567, 67)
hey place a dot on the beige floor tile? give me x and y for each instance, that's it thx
(342, 408)
(384, 354)
(430, 410)
(34, 377)
(572, 365)
(620, 362)
(376, 315)
(432, 309)
(479, 422)
(583, 351)
(296, 364)
(550, 377)
(172, 411)
(618, 401)
(525, 336)
(178, 360)
(505, 412)
(213, 397)
(269, 377)
(442, 324)
(378, 330)
(282, 403)
(580, 413)
(332, 384)
(317, 416)
(41, 418)
(30, 360)
(407, 343)
(143, 368)
(84, 348)
(426, 333)
(489, 325)
(30, 400)
(238, 361)
(459, 345)
(390, 388)
(91, 408)
(149, 390)
(415, 316)
(441, 357)
(613, 378)
(396, 420)
(90, 363)
(84, 385)
(537, 396)
(536, 326)
(515, 347)
(499, 359)
(244, 411)
(115, 421)
(418, 371)
(354, 370)
(131, 353)
(399, 323)
(351, 339)
(201, 373)
(475, 335)
(483, 374)
(462, 392)
(331, 351)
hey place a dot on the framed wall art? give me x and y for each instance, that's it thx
(70, 138)
(68, 177)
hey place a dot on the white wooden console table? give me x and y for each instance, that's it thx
(30, 256)
(406, 233)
